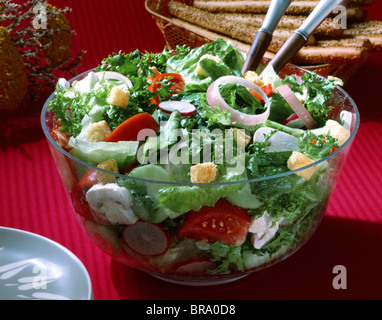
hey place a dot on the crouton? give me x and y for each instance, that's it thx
(199, 70)
(203, 172)
(298, 160)
(119, 97)
(109, 165)
(337, 81)
(241, 138)
(98, 131)
(336, 131)
(253, 77)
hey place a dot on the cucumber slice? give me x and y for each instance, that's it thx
(155, 173)
(244, 198)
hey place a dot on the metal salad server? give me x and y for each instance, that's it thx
(263, 36)
(301, 35)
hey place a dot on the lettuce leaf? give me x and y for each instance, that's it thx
(72, 104)
(288, 197)
(227, 257)
(145, 204)
(137, 66)
(183, 198)
(231, 64)
(279, 108)
(124, 152)
(317, 96)
(315, 146)
(282, 241)
(239, 98)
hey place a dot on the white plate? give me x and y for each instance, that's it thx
(34, 267)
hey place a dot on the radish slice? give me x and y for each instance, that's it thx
(297, 106)
(293, 121)
(185, 108)
(116, 76)
(292, 117)
(146, 238)
(280, 141)
(214, 98)
(194, 266)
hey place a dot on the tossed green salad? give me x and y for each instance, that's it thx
(202, 142)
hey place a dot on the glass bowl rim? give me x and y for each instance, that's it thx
(211, 184)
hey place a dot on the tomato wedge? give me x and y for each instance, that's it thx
(129, 168)
(62, 138)
(129, 130)
(78, 194)
(177, 87)
(224, 222)
(268, 90)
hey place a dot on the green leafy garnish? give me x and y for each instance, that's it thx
(227, 257)
(317, 95)
(239, 98)
(72, 104)
(315, 146)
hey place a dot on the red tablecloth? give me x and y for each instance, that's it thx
(32, 196)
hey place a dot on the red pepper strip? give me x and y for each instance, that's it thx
(177, 87)
(268, 90)
(129, 129)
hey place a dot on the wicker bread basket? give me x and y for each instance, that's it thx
(178, 32)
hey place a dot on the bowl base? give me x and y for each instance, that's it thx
(197, 282)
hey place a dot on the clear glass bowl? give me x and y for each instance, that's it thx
(186, 261)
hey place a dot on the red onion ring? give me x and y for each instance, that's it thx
(214, 98)
(297, 106)
(116, 76)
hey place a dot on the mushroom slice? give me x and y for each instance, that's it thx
(111, 202)
(263, 229)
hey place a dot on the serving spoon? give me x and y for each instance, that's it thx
(300, 36)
